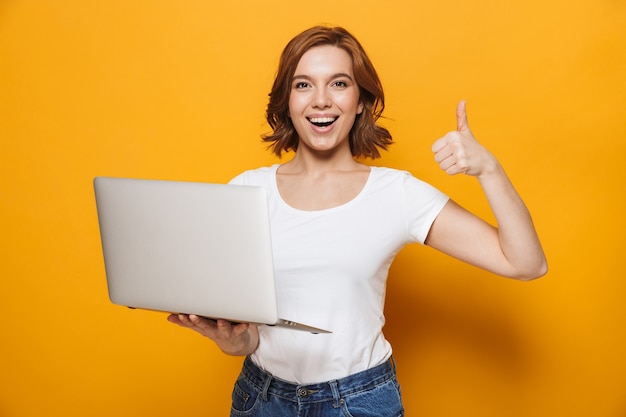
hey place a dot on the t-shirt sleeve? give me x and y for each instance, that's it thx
(424, 203)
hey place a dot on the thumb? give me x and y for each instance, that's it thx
(461, 117)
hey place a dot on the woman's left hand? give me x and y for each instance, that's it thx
(458, 152)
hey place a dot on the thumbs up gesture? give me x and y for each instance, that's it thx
(459, 152)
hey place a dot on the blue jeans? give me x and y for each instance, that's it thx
(371, 393)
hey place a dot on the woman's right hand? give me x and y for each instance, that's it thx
(237, 339)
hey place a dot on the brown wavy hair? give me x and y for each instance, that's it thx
(366, 137)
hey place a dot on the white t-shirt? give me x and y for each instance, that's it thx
(331, 272)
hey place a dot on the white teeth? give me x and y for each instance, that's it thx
(322, 119)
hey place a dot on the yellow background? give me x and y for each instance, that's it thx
(177, 90)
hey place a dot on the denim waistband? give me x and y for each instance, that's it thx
(361, 381)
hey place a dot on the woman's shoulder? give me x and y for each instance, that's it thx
(407, 181)
(257, 176)
(389, 174)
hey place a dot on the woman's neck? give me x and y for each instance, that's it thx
(312, 163)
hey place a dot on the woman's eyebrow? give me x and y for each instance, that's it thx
(309, 78)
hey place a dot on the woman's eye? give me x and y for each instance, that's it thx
(301, 85)
(341, 84)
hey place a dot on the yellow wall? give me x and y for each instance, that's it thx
(177, 90)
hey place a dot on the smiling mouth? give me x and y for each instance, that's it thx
(322, 121)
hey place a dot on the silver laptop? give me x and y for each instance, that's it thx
(189, 247)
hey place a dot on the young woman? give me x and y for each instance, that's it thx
(337, 225)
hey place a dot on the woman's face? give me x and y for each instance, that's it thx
(324, 99)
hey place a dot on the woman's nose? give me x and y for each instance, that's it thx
(322, 99)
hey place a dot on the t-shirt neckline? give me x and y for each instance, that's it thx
(325, 210)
